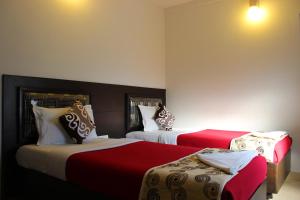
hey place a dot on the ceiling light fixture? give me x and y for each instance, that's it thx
(255, 12)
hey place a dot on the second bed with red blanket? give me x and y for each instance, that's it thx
(221, 139)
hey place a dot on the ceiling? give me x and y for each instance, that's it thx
(169, 3)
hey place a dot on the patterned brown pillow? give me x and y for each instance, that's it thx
(77, 122)
(164, 118)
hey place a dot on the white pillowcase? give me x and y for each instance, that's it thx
(49, 128)
(148, 113)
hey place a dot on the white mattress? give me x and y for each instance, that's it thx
(51, 159)
(160, 136)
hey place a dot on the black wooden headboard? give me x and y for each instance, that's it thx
(133, 116)
(108, 102)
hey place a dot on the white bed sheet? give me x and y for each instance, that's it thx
(52, 159)
(160, 136)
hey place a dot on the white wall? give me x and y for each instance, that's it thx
(224, 73)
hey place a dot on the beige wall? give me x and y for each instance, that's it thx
(224, 73)
(108, 41)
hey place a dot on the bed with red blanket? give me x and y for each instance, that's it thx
(210, 138)
(117, 173)
(278, 168)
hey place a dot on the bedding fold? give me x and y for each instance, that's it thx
(275, 135)
(191, 178)
(226, 160)
(262, 142)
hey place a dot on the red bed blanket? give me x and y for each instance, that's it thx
(221, 139)
(118, 172)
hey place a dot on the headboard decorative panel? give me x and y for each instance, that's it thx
(134, 118)
(28, 132)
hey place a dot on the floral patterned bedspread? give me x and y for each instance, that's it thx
(185, 179)
(265, 146)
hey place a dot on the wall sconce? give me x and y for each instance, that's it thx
(255, 12)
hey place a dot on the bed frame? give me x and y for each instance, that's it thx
(277, 173)
(18, 128)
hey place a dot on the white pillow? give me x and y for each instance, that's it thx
(49, 128)
(148, 113)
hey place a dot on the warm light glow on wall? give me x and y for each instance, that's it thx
(74, 4)
(256, 13)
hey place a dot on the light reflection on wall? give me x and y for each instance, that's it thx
(74, 5)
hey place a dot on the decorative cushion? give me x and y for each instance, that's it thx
(164, 118)
(77, 122)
